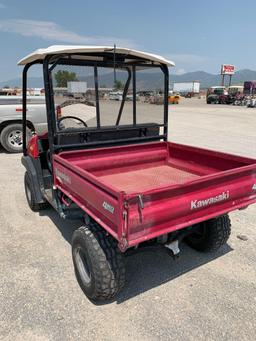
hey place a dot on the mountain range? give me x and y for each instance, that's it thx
(149, 80)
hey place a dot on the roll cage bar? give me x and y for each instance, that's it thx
(50, 61)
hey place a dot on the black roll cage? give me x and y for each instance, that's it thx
(50, 61)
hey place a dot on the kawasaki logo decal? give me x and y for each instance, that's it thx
(209, 201)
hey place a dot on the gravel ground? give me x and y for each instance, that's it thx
(197, 297)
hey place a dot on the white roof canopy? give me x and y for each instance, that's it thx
(40, 54)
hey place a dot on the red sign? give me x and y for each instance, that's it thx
(227, 69)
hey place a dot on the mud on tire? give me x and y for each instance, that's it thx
(210, 235)
(98, 262)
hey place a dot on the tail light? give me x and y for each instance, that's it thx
(32, 148)
(58, 111)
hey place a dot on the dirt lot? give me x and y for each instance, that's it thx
(197, 297)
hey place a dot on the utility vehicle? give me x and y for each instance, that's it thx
(120, 175)
(173, 98)
(217, 95)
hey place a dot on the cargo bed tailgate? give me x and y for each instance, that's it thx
(155, 212)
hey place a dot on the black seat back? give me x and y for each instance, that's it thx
(122, 135)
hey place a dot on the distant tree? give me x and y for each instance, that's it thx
(62, 78)
(6, 87)
(118, 85)
(104, 86)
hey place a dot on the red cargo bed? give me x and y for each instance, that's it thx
(161, 186)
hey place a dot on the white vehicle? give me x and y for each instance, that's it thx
(116, 96)
(11, 120)
(76, 87)
(186, 87)
(234, 89)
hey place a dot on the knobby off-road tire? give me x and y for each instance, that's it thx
(98, 263)
(211, 234)
(30, 195)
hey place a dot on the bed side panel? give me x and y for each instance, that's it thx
(103, 205)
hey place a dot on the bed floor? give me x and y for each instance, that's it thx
(149, 178)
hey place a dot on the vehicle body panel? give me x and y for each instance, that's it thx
(11, 110)
(142, 191)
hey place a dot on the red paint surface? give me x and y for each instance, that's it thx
(168, 177)
(32, 148)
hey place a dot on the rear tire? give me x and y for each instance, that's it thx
(98, 263)
(210, 234)
(30, 195)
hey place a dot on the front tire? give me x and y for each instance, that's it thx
(210, 235)
(98, 263)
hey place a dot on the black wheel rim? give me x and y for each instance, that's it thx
(82, 265)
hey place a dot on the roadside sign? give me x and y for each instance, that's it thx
(227, 69)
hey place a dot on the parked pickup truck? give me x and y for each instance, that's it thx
(11, 120)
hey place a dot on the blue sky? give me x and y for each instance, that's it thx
(197, 35)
